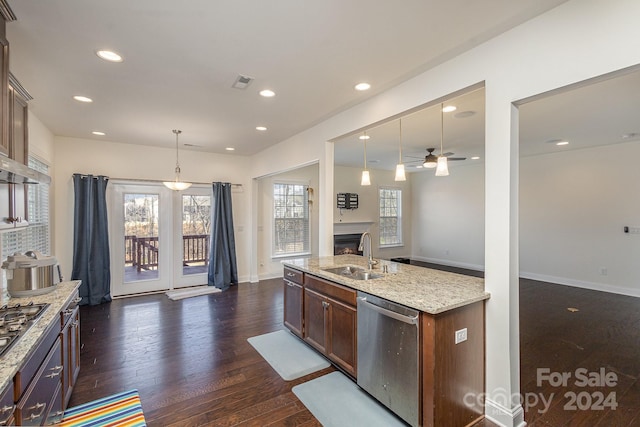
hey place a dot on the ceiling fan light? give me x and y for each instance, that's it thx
(366, 179)
(430, 162)
(442, 168)
(400, 175)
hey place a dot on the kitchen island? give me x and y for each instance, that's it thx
(51, 343)
(325, 306)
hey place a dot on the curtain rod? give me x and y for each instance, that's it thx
(160, 181)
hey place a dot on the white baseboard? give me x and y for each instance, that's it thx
(503, 416)
(581, 284)
(267, 276)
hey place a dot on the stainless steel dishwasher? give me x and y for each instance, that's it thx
(388, 355)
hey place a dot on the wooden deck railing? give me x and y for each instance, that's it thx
(142, 252)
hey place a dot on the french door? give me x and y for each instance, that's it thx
(159, 238)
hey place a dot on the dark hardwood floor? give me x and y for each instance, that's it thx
(192, 365)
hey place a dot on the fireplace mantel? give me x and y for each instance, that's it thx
(351, 227)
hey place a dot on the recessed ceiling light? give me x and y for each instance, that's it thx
(449, 108)
(109, 55)
(362, 86)
(97, 132)
(419, 167)
(81, 98)
(364, 137)
(229, 148)
(557, 142)
(267, 93)
(464, 114)
(475, 158)
(261, 128)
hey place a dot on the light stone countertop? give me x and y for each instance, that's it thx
(425, 289)
(13, 359)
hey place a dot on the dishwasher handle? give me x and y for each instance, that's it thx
(411, 320)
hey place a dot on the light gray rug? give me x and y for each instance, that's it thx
(336, 401)
(287, 355)
(191, 292)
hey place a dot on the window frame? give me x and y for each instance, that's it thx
(306, 242)
(398, 217)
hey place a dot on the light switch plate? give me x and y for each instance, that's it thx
(461, 335)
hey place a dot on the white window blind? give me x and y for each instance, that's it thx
(390, 216)
(36, 235)
(291, 219)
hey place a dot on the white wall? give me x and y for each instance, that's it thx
(366, 217)
(576, 41)
(448, 217)
(269, 267)
(118, 160)
(573, 207)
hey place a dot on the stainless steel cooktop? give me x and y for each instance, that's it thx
(15, 320)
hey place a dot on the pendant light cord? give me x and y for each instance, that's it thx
(177, 132)
(365, 151)
(441, 127)
(400, 151)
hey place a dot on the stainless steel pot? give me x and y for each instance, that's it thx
(31, 273)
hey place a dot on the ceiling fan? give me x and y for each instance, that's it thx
(431, 160)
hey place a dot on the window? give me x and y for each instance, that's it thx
(36, 235)
(290, 219)
(390, 217)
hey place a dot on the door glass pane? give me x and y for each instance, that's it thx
(196, 223)
(140, 237)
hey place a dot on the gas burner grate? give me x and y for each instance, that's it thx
(15, 320)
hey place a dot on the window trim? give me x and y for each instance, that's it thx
(300, 254)
(399, 228)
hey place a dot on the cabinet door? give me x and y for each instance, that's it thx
(71, 354)
(342, 327)
(293, 307)
(18, 130)
(4, 96)
(315, 318)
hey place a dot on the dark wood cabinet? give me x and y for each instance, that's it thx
(452, 372)
(7, 407)
(18, 128)
(330, 321)
(4, 91)
(293, 301)
(70, 349)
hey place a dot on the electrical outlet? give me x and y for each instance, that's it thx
(461, 335)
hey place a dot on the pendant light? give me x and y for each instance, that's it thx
(177, 185)
(366, 180)
(400, 175)
(442, 169)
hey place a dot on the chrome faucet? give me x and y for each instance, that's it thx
(369, 254)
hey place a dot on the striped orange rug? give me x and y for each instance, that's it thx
(120, 410)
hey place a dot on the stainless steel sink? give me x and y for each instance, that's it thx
(355, 273)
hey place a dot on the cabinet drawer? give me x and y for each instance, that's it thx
(330, 289)
(6, 405)
(34, 405)
(29, 369)
(294, 276)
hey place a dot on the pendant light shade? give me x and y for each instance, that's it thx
(366, 179)
(176, 184)
(442, 168)
(400, 174)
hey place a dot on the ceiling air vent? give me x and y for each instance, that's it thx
(242, 82)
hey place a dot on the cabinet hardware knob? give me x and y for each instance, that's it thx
(6, 408)
(37, 406)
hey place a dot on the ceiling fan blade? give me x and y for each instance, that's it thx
(456, 158)
(447, 154)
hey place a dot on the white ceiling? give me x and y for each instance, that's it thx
(600, 112)
(181, 58)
